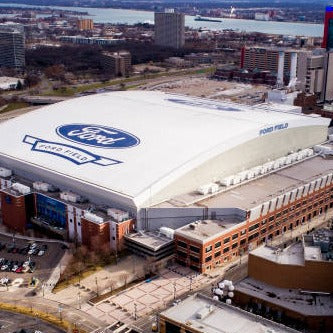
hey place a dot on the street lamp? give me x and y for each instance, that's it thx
(191, 277)
(135, 313)
(79, 299)
(96, 286)
(60, 312)
(174, 290)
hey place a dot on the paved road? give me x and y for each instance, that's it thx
(11, 322)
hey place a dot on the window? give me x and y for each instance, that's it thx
(70, 220)
(194, 259)
(234, 236)
(226, 240)
(194, 249)
(264, 221)
(255, 235)
(182, 244)
(218, 253)
(253, 227)
(263, 230)
(209, 248)
(218, 244)
(79, 223)
(181, 254)
(208, 259)
(243, 232)
(271, 219)
(234, 245)
(225, 249)
(243, 241)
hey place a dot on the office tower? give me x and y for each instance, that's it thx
(170, 29)
(12, 49)
(328, 29)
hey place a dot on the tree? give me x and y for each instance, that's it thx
(19, 85)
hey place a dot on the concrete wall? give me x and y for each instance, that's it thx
(154, 218)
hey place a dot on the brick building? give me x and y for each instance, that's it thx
(298, 287)
(266, 208)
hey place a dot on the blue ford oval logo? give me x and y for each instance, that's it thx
(97, 136)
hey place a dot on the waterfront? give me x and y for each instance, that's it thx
(110, 15)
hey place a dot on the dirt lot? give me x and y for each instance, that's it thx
(211, 88)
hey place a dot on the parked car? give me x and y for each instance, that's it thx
(19, 270)
(41, 253)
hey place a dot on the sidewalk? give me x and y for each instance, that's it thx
(112, 276)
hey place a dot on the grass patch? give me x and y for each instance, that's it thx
(63, 284)
(39, 314)
(14, 106)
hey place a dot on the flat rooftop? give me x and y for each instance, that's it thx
(293, 299)
(202, 230)
(152, 240)
(253, 192)
(292, 255)
(263, 189)
(219, 317)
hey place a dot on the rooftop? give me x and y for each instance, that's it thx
(131, 131)
(265, 188)
(151, 240)
(292, 255)
(206, 315)
(293, 299)
(203, 230)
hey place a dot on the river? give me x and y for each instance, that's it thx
(110, 15)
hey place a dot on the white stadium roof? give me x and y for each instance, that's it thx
(136, 143)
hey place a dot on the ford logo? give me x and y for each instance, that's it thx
(97, 136)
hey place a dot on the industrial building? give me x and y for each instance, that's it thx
(170, 29)
(106, 165)
(12, 46)
(299, 286)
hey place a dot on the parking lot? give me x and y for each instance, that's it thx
(22, 261)
(14, 322)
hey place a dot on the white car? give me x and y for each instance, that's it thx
(4, 267)
(33, 245)
(41, 253)
(26, 264)
(15, 267)
(31, 251)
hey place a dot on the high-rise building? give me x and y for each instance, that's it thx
(327, 92)
(328, 29)
(12, 46)
(170, 29)
(85, 24)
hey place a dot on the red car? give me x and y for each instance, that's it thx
(19, 270)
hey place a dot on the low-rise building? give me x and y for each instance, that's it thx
(201, 314)
(298, 287)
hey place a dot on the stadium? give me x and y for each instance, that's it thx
(137, 150)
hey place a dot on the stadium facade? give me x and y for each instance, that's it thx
(117, 162)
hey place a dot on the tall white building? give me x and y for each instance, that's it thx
(170, 29)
